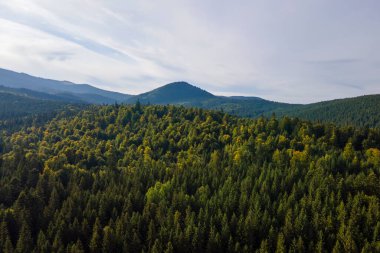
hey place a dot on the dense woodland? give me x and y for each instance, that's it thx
(360, 111)
(174, 179)
(15, 106)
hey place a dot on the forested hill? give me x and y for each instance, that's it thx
(182, 93)
(21, 107)
(173, 93)
(174, 179)
(360, 111)
(363, 111)
(16, 103)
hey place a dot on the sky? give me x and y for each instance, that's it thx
(297, 51)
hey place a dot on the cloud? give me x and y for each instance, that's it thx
(334, 61)
(58, 56)
(298, 51)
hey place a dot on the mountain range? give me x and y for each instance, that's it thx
(24, 93)
(62, 90)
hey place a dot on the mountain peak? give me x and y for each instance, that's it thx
(178, 84)
(181, 85)
(175, 92)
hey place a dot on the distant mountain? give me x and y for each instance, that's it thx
(64, 89)
(173, 93)
(182, 93)
(361, 111)
(62, 97)
(25, 89)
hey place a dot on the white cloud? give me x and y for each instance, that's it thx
(292, 51)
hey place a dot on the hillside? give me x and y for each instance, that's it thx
(360, 111)
(21, 108)
(83, 92)
(363, 111)
(175, 179)
(251, 107)
(19, 102)
(62, 97)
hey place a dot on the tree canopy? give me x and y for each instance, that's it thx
(173, 179)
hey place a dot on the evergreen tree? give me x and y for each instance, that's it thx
(25, 241)
(96, 239)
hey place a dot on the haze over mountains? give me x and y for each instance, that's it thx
(31, 92)
(63, 89)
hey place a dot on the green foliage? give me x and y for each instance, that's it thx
(24, 108)
(12, 106)
(174, 179)
(360, 111)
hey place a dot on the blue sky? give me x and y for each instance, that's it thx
(293, 51)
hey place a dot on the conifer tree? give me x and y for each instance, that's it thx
(25, 241)
(96, 238)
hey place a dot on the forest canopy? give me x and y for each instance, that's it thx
(174, 179)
